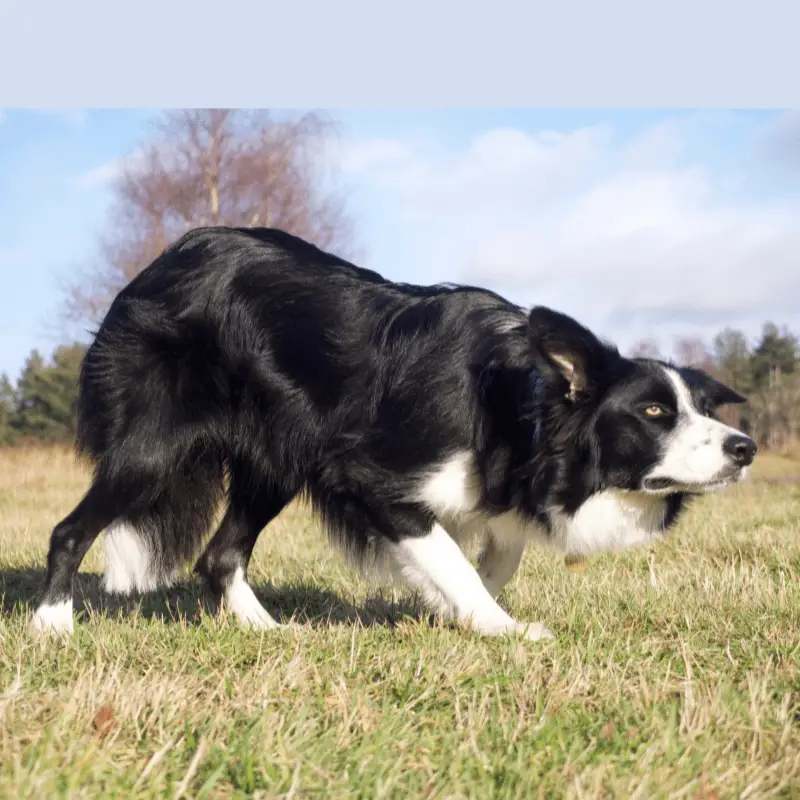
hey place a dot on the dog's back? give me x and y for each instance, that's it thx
(258, 336)
(187, 343)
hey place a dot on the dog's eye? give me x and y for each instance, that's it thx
(654, 410)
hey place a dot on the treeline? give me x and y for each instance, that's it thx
(41, 405)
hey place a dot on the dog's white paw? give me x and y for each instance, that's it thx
(241, 600)
(506, 626)
(256, 618)
(53, 620)
(533, 631)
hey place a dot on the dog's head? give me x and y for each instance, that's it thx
(645, 425)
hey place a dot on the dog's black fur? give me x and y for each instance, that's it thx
(251, 358)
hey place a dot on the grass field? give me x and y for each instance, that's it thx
(674, 673)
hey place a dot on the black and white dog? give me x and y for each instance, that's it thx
(249, 366)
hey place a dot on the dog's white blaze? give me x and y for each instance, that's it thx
(241, 600)
(435, 566)
(609, 520)
(693, 454)
(53, 619)
(129, 562)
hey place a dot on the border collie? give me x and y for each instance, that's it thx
(248, 366)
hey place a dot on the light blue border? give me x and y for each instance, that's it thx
(437, 53)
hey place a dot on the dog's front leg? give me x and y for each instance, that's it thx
(435, 565)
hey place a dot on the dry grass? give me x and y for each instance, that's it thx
(674, 673)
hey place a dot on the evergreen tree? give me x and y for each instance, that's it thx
(778, 351)
(7, 407)
(47, 395)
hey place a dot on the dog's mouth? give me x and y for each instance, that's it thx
(658, 484)
(670, 486)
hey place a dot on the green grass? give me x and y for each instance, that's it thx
(674, 672)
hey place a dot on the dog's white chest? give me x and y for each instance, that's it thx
(610, 520)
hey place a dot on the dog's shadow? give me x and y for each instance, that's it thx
(188, 600)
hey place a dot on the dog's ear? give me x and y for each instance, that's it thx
(567, 350)
(718, 393)
(722, 395)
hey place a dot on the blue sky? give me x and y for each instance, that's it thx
(641, 223)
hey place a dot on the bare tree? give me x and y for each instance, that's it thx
(776, 409)
(693, 353)
(645, 348)
(215, 167)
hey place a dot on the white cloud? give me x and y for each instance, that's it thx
(501, 169)
(655, 244)
(658, 146)
(108, 171)
(101, 174)
(617, 233)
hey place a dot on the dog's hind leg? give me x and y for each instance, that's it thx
(253, 503)
(69, 543)
(130, 560)
(498, 562)
(165, 521)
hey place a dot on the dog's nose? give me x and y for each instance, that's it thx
(742, 449)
